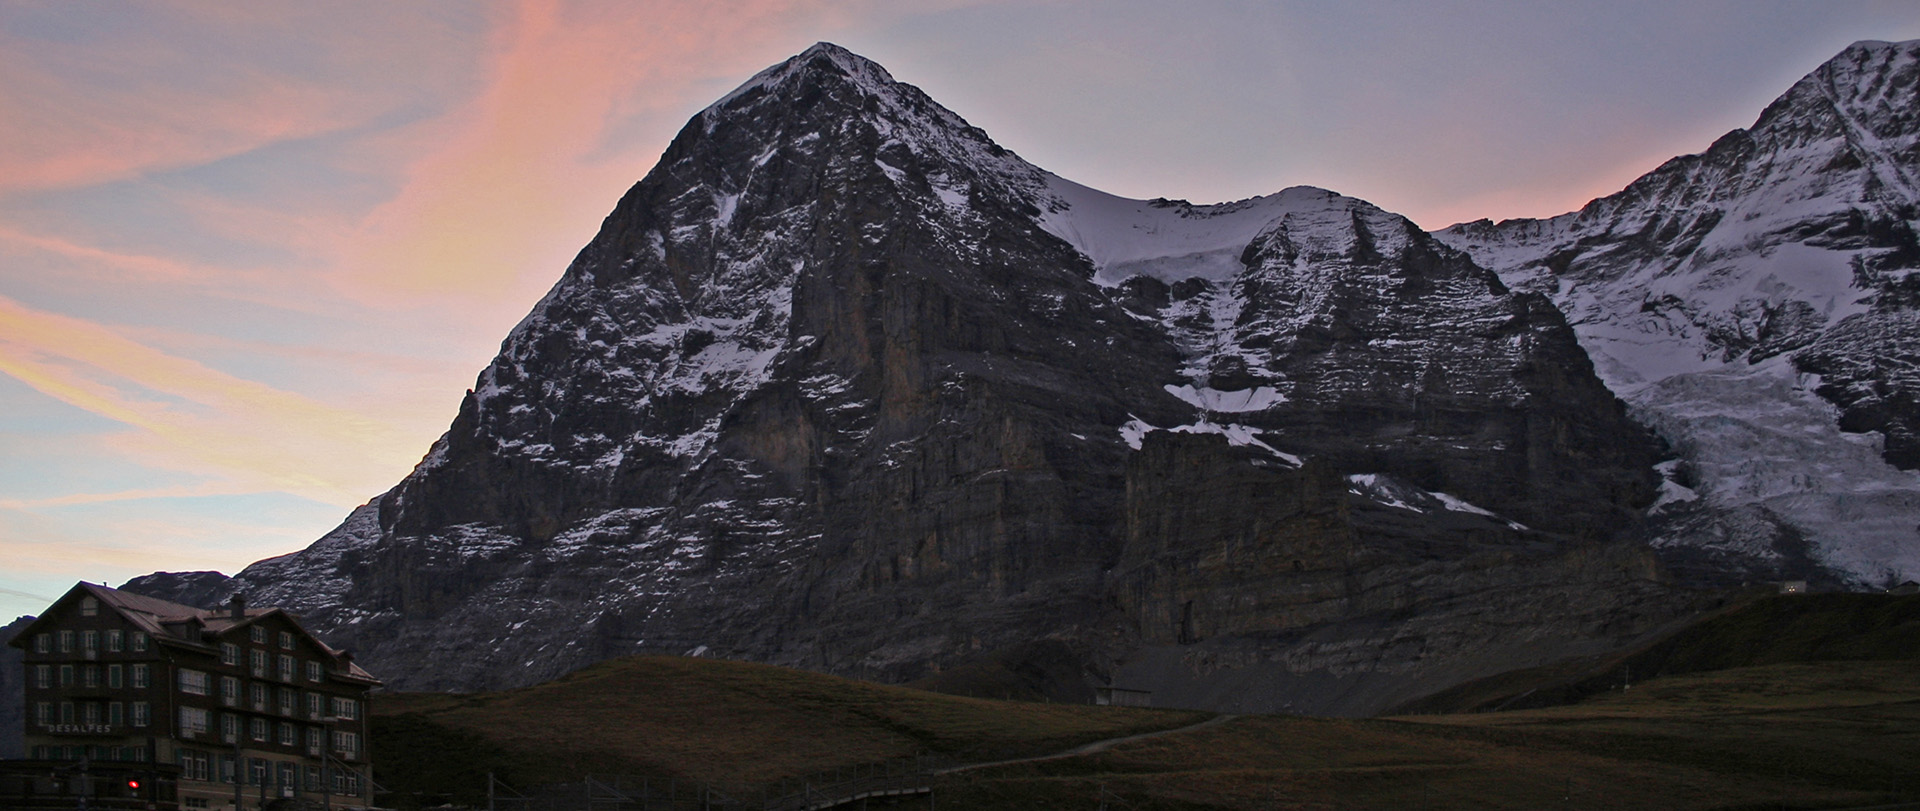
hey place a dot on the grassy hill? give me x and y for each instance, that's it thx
(1822, 735)
(732, 724)
(1808, 702)
(1761, 630)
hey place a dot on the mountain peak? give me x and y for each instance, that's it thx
(823, 62)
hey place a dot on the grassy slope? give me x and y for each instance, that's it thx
(732, 724)
(1740, 721)
(1814, 735)
(1761, 631)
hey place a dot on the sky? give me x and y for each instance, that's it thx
(253, 254)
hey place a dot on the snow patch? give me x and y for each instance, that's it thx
(1134, 433)
(1259, 398)
(1392, 492)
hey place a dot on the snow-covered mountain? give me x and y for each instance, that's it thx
(1756, 305)
(843, 384)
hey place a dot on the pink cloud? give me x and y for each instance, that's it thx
(198, 83)
(510, 186)
(58, 132)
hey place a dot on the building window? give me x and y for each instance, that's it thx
(43, 713)
(256, 772)
(116, 713)
(313, 777)
(257, 696)
(289, 701)
(193, 682)
(258, 728)
(66, 675)
(42, 643)
(258, 635)
(286, 775)
(346, 708)
(139, 641)
(229, 653)
(43, 676)
(229, 727)
(66, 712)
(315, 672)
(257, 663)
(114, 638)
(226, 768)
(286, 640)
(90, 676)
(288, 735)
(288, 668)
(315, 705)
(89, 607)
(66, 641)
(193, 721)
(140, 713)
(194, 765)
(116, 676)
(140, 681)
(313, 741)
(90, 642)
(346, 743)
(90, 713)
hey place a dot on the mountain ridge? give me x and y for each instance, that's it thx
(1737, 297)
(842, 384)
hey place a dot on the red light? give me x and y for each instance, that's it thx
(133, 784)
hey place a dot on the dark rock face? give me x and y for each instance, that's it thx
(842, 384)
(1711, 290)
(1398, 354)
(208, 590)
(1869, 366)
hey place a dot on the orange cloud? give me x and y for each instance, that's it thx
(189, 416)
(50, 546)
(202, 490)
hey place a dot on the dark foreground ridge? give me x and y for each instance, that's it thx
(726, 731)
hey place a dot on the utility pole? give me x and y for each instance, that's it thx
(326, 761)
(239, 771)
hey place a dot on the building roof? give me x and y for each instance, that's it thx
(171, 623)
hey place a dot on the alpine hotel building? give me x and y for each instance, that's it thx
(239, 706)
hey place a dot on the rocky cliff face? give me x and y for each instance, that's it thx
(842, 384)
(1755, 304)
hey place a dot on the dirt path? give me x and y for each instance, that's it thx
(1091, 748)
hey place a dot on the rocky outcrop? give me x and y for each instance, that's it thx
(1318, 595)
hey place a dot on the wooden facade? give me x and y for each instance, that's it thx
(239, 707)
